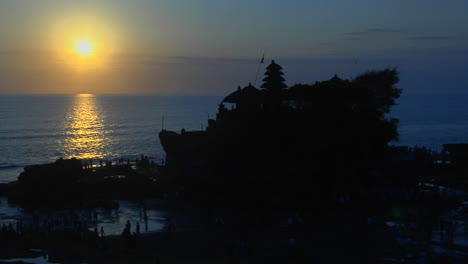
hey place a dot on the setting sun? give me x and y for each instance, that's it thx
(84, 43)
(84, 47)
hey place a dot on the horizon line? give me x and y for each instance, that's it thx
(116, 94)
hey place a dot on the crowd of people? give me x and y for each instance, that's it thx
(71, 223)
(141, 161)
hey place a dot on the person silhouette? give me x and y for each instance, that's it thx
(128, 225)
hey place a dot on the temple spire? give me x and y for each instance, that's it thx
(274, 80)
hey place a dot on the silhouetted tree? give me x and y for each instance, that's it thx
(378, 91)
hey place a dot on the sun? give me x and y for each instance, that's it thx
(84, 43)
(84, 47)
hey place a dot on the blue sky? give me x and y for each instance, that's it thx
(211, 46)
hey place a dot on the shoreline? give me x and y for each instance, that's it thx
(332, 231)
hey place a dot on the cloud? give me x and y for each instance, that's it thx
(354, 39)
(432, 37)
(212, 60)
(375, 31)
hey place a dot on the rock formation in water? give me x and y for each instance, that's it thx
(309, 139)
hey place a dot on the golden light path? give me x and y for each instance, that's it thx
(86, 133)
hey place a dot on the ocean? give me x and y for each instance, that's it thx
(37, 129)
(431, 120)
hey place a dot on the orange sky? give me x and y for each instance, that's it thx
(211, 46)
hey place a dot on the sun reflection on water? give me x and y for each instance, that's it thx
(87, 137)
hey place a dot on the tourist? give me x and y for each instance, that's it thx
(128, 226)
(95, 216)
(169, 226)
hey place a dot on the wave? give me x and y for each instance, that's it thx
(26, 137)
(12, 166)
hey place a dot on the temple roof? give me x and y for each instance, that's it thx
(233, 97)
(335, 78)
(248, 92)
(274, 67)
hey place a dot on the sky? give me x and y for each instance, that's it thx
(209, 47)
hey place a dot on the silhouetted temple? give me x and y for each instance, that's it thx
(245, 98)
(315, 139)
(274, 80)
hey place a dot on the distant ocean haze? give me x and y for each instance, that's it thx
(38, 129)
(432, 120)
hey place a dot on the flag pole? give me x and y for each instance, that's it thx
(258, 69)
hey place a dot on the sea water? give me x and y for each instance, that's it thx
(432, 120)
(37, 129)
